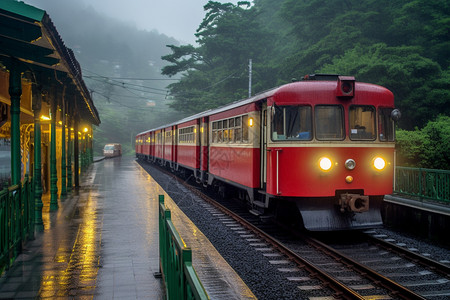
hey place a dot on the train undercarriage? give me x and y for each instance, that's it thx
(347, 210)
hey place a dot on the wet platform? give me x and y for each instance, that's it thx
(102, 243)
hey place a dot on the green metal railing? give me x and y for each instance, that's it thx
(180, 278)
(16, 220)
(423, 183)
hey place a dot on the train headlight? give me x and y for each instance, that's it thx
(379, 163)
(350, 164)
(325, 164)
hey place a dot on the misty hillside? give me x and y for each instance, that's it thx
(110, 51)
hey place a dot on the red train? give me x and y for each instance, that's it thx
(323, 146)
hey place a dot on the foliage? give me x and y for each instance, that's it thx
(215, 73)
(109, 50)
(397, 44)
(428, 147)
(423, 88)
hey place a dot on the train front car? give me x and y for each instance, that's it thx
(330, 150)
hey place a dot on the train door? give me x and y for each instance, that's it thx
(163, 146)
(173, 155)
(263, 143)
(198, 143)
(152, 145)
(204, 129)
(175, 146)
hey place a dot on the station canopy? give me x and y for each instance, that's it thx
(28, 37)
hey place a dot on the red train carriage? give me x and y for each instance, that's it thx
(324, 145)
(234, 150)
(188, 148)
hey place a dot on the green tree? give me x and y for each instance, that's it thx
(428, 147)
(215, 72)
(421, 88)
(436, 147)
(393, 43)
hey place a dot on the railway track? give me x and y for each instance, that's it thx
(343, 274)
(314, 264)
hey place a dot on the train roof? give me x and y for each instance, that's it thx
(225, 107)
(308, 85)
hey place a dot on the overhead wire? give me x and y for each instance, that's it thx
(122, 85)
(135, 78)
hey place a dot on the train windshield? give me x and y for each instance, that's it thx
(329, 122)
(386, 125)
(291, 123)
(362, 122)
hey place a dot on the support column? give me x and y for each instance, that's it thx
(69, 155)
(63, 145)
(53, 171)
(15, 91)
(91, 146)
(76, 154)
(37, 98)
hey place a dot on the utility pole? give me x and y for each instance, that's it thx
(249, 77)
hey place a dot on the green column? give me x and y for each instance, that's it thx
(15, 91)
(69, 156)
(76, 150)
(53, 171)
(91, 146)
(63, 151)
(37, 159)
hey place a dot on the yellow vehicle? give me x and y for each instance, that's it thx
(112, 150)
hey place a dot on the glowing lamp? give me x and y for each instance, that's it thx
(325, 164)
(379, 163)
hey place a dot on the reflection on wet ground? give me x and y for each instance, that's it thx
(101, 243)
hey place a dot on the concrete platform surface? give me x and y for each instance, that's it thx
(102, 243)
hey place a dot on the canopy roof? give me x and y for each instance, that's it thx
(28, 36)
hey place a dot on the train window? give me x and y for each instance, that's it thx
(329, 122)
(186, 135)
(362, 122)
(386, 125)
(291, 123)
(237, 130)
(245, 129)
(233, 130)
(225, 135)
(237, 121)
(168, 137)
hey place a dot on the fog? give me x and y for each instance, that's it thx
(175, 18)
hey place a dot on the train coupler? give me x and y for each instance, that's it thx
(354, 203)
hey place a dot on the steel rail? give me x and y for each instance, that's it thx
(424, 261)
(395, 288)
(341, 290)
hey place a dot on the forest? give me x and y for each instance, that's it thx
(402, 45)
(141, 79)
